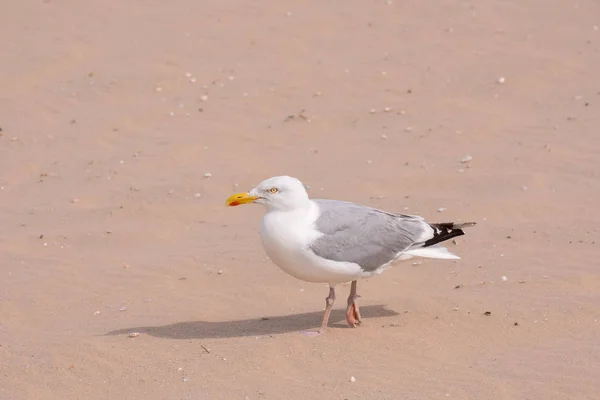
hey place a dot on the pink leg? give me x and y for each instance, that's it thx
(329, 300)
(352, 312)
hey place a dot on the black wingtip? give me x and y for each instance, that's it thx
(445, 231)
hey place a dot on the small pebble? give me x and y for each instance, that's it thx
(387, 109)
(186, 379)
(204, 97)
(504, 278)
(352, 379)
(97, 313)
(372, 111)
(134, 334)
(220, 272)
(408, 129)
(197, 195)
(123, 308)
(466, 159)
(441, 209)
(487, 313)
(384, 136)
(207, 175)
(501, 79)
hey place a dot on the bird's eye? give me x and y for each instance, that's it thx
(273, 190)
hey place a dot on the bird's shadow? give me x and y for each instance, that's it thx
(250, 327)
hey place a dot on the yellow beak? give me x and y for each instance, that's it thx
(240, 198)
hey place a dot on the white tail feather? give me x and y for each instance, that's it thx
(432, 252)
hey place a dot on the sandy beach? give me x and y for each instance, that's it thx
(125, 126)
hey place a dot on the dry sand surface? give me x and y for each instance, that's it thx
(125, 126)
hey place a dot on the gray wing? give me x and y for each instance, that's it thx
(363, 235)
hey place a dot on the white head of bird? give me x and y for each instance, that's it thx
(282, 193)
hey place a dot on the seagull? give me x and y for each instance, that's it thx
(335, 242)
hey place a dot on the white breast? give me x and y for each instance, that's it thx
(286, 236)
